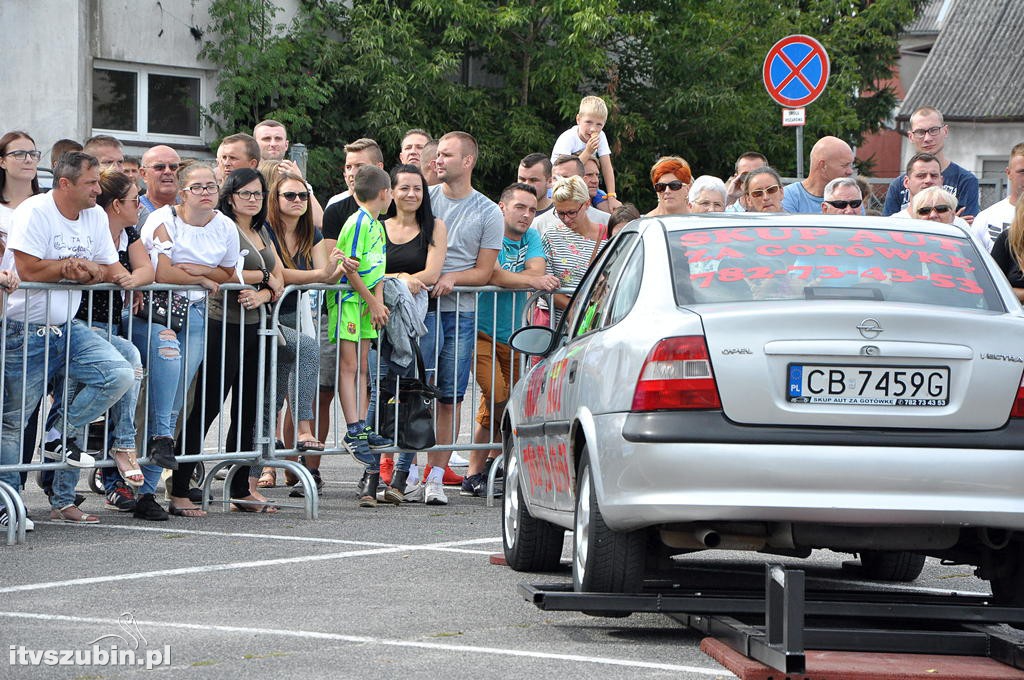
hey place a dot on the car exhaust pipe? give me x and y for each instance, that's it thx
(709, 538)
(995, 539)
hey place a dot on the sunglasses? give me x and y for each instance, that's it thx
(674, 185)
(842, 205)
(771, 191)
(295, 195)
(160, 167)
(941, 209)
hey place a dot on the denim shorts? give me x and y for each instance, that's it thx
(447, 350)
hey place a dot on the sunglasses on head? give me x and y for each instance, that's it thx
(842, 205)
(674, 185)
(941, 209)
(771, 191)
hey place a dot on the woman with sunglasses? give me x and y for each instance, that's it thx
(569, 246)
(763, 190)
(19, 161)
(194, 244)
(303, 262)
(934, 204)
(232, 342)
(1008, 251)
(671, 178)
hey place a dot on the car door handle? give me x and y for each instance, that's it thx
(572, 372)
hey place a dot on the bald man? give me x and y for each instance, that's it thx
(159, 170)
(831, 158)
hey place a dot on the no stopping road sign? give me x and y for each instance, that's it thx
(796, 71)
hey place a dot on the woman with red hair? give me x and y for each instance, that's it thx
(671, 178)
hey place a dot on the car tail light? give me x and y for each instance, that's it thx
(1018, 402)
(677, 375)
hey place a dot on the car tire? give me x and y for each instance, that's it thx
(530, 544)
(1008, 577)
(891, 565)
(603, 560)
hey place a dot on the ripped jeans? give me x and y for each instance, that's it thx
(170, 366)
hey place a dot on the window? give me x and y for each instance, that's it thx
(595, 298)
(146, 103)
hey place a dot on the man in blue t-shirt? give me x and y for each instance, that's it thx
(928, 132)
(520, 266)
(831, 158)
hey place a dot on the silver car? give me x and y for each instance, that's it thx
(778, 383)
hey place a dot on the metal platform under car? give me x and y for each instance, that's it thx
(775, 625)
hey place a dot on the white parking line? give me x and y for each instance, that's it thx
(183, 571)
(362, 639)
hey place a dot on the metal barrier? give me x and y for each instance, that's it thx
(263, 453)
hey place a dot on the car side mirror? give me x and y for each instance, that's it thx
(532, 340)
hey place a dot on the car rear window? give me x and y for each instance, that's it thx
(736, 264)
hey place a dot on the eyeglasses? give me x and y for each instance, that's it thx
(22, 155)
(674, 185)
(160, 167)
(295, 195)
(842, 205)
(933, 131)
(759, 193)
(562, 214)
(710, 204)
(942, 209)
(250, 195)
(200, 189)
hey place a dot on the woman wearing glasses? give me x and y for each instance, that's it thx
(296, 240)
(194, 244)
(232, 344)
(763, 189)
(19, 160)
(671, 178)
(569, 246)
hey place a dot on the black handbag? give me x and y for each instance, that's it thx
(411, 400)
(167, 309)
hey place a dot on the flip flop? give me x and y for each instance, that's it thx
(268, 480)
(255, 506)
(128, 466)
(310, 445)
(186, 512)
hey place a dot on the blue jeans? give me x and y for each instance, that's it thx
(91, 361)
(404, 458)
(170, 368)
(448, 352)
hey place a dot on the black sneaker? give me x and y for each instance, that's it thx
(147, 508)
(474, 485)
(161, 453)
(71, 453)
(299, 492)
(374, 440)
(121, 499)
(5, 519)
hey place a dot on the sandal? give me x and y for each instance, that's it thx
(268, 480)
(193, 511)
(310, 445)
(72, 514)
(128, 466)
(255, 505)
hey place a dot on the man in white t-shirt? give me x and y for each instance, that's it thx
(996, 218)
(60, 237)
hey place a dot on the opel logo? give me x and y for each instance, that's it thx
(869, 328)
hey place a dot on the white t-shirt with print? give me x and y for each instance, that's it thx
(570, 144)
(214, 244)
(39, 229)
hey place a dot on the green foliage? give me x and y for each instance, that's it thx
(681, 77)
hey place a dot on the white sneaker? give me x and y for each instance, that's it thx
(413, 492)
(434, 493)
(29, 525)
(457, 461)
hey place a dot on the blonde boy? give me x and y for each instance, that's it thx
(587, 140)
(354, 316)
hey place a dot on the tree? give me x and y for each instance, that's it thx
(680, 76)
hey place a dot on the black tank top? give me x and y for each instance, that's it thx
(408, 258)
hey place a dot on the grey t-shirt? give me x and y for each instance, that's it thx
(474, 223)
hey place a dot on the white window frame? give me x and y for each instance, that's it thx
(142, 73)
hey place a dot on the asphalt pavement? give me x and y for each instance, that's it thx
(386, 592)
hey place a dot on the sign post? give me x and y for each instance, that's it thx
(795, 73)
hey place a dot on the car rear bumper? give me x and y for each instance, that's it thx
(684, 467)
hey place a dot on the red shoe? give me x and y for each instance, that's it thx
(451, 478)
(387, 468)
